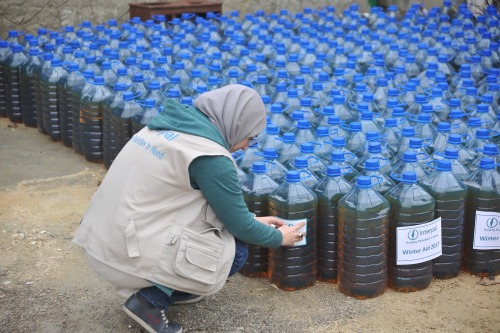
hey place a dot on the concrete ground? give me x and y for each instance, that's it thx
(46, 285)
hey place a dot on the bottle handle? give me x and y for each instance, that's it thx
(427, 142)
(424, 156)
(471, 107)
(238, 155)
(272, 163)
(351, 155)
(468, 138)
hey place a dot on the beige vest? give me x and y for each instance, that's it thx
(145, 219)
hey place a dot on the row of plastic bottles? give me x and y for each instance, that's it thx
(351, 227)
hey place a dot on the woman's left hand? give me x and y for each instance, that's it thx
(270, 221)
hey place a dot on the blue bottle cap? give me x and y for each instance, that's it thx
(90, 59)
(374, 147)
(149, 103)
(490, 149)
(293, 93)
(443, 165)
(390, 122)
(17, 48)
(451, 153)
(474, 122)
(424, 118)
(482, 108)
(339, 99)
(338, 141)
(443, 127)
(276, 108)
(289, 137)
(138, 77)
(322, 131)
(270, 153)
(98, 80)
(154, 85)
(307, 148)
(372, 164)
(120, 86)
(333, 171)
(355, 126)
(364, 182)
(410, 156)
(455, 139)
(415, 143)
(173, 93)
(300, 162)
(328, 110)
(55, 62)
(272, 129)
(486, 163)
(128, 96)
(409, 177)
(408, 131)
(337, 156)
(259, 167)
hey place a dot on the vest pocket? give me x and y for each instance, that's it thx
(198, 255)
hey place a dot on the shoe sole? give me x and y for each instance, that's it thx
(140, 321)
(189, 301)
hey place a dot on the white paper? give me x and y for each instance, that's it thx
(418, 243)
(487, 231)
(291, 223)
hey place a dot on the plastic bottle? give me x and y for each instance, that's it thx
(121, 118)
(77, 91)
(329, 190)
(142, 118)
(11, 83)
(252, 154)
(315, 162)
(455, 141)
(274, 168)
(363, 245)
(302, 165)
(381, 182)
(50, 98)
(27, 87)
(484, 198)
(108, 134)
(356, 141)
(458, 169)
(5, 51)
(410, 205)
(256, 187)
(288, 150)
(409, 162)
(91, 111)
(292, 268)
(450, 195)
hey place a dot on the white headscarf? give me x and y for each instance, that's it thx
(236, 110)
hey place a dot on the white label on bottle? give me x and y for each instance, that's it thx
(291, 223)
(418, 243)
(487, 231)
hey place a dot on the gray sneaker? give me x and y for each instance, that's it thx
(152, 319)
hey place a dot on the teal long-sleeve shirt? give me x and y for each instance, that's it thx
(216, 177)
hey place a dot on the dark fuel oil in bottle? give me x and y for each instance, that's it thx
(292, 268)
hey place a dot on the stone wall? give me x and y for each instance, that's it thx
(28, 15)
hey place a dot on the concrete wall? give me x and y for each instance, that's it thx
(28, 15)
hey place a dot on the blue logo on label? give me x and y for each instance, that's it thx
(413, 234)
(491, 222)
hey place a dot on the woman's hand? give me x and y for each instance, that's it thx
(291, 234)
(271, 221)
